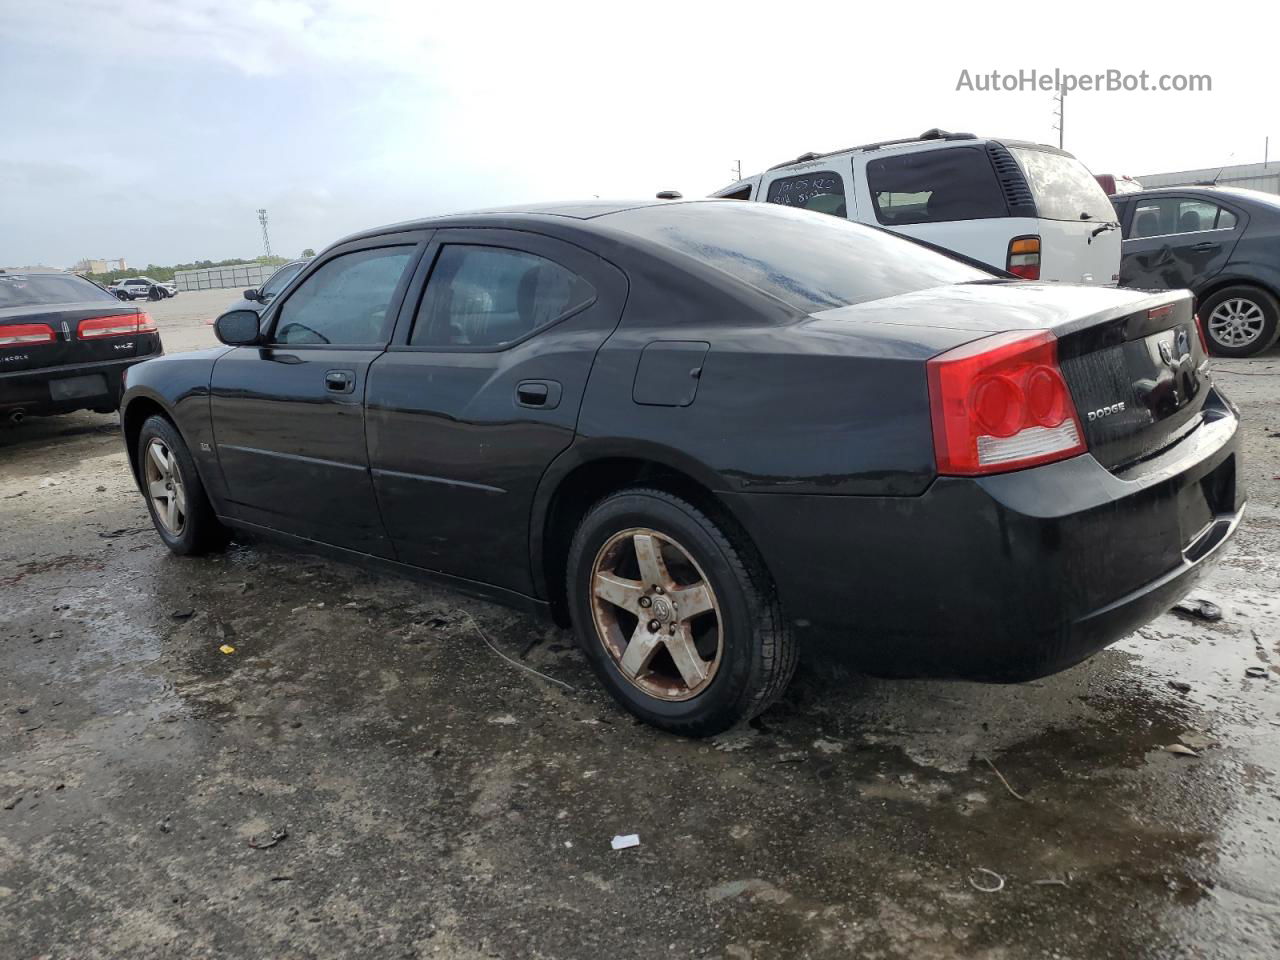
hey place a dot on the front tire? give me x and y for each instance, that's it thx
(121, 295)
(1240, 321)
(179, 507)
(676, 614)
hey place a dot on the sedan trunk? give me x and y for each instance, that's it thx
(1134, 362)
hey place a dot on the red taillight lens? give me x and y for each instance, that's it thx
(24, 334)
(1000, 404)
(1024, 257)
(1204, 344)
(125, 325)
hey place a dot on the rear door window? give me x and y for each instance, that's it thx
(1063, 187)
(935, 186)
(481, 296)
(1167, 216)
(822, 191)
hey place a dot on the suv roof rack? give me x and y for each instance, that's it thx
(935, 133)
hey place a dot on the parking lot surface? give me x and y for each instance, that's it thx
(268, 754)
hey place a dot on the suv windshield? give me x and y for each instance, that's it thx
(36, 289)
(809, 261)
(1064, 189)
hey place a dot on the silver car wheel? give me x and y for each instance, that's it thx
(1237, 322)
(164, 487)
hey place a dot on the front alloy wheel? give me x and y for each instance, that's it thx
(656, 614)
(164, 487)
(176, 500)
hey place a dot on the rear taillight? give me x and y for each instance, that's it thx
(1000, 404)
(25, 334)
(1199, 324)
(1024, 257)
(125, 325)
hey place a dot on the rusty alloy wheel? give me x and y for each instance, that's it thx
(656, 614)
(165, 488)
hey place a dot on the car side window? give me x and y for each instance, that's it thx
(345, 301)
(1168, 216)
(935, 186)
(481, 296)
(822, 191)
(280, 279)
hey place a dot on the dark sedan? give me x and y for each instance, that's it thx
(257, 298)
(65, 344)
(1222, 244)
(700, 431)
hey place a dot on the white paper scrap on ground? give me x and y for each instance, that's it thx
(621, 842)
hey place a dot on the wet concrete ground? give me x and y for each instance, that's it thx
(439, 802)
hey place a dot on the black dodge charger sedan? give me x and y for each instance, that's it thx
(65, 344)
(698, 432)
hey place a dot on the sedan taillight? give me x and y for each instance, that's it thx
(1000, 403)
(24, 334)
(125, 325)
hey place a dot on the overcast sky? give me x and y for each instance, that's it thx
(153, 129)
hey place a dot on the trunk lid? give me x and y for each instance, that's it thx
(68, 345)
(1133, 361)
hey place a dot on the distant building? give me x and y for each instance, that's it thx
(100, 266)
(1250, 176)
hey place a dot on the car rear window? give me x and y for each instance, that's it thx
(935, 186)
(809, 261)
(1063, 187)
(40, 289)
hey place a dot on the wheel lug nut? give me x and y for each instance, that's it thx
(658, 590)
(645, 602)
(653, 626)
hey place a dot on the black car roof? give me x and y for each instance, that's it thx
(1208, 189)
(581, 210)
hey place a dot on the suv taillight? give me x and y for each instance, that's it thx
(1024, 257)
(125, 325)
(1000, 403)
(24, 334)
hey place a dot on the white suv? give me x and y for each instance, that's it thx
(143, 288)
(1033, 210)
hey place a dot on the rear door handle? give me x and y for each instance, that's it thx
(1206, 245)
(539, 394)
(340, 381)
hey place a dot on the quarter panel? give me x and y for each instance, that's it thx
(179, 384)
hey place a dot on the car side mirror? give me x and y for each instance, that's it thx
(252, 294)
(238, 328)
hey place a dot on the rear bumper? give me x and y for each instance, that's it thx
(1003, 578)
(69, 387)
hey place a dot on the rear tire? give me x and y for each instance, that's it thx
(1239, 321)
(121, 295)
(730, 656)
(179, 507)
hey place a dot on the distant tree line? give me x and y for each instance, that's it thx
(156, 272)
